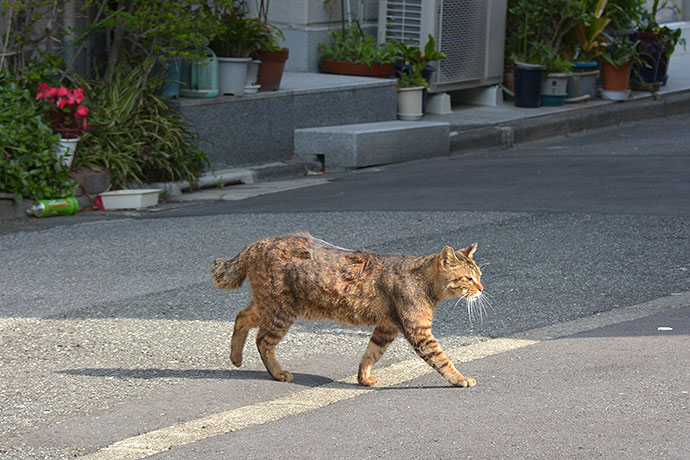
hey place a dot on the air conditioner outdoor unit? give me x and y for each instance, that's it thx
(470, 32)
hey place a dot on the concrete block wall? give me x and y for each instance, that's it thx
(258, 129)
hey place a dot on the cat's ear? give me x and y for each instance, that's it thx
(468, 251)
(447, 258)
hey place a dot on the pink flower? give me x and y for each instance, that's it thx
(82, 111)
(84, 125)
(61, 102)
(62, 92)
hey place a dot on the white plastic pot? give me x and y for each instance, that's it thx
(410, 103)
(130, 199)
(232, 74)
(65, 150)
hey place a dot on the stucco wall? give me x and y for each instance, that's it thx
(305, 24)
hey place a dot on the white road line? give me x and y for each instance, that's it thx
(164, 439)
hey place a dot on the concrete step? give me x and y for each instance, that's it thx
(258, 128)
(368, 144)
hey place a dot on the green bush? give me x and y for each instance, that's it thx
(134, 133)
(28, 166)
(354, 45)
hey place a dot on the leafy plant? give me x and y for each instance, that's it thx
(354, 45)
(585, 42)
(536, 30)
(136, 134)
(30, 26)
(556, 64)
(655, 39)
(28, 166)
(154, 31)
(625, 14)
(620, 50)
(412, 62)
(238, 33)
(267, 37)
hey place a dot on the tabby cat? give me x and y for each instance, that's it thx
(300, 276)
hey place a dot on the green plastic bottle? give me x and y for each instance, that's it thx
(49, 208)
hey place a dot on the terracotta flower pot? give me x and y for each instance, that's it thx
(271, 69)
(356, 68)
(615, 78)
(614, 81)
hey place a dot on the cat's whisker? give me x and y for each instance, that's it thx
(486, 303)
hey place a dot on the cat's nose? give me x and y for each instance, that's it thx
(480, 287)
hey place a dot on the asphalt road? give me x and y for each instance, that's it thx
(110, 327)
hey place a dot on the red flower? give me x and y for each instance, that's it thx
(79, 94)
(66, 112)
(82, 111)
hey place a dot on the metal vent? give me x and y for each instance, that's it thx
(461, 35)
(404, 20)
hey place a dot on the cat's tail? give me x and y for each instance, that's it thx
(229, 274)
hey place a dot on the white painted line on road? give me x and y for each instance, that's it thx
(164, 439)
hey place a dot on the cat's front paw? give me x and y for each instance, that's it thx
(460, 380)
(236, 360)
(367, 381)
(284, 376)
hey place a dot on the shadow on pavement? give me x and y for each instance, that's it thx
(309, 380)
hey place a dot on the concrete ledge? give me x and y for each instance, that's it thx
(368, 144)
(236, 176)
(601, 115)
(258, 128)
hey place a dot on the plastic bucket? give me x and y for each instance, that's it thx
(528, 83)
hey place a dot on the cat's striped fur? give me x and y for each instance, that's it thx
(299, 276)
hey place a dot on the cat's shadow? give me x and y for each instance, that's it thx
(309, 380)
(301, 379)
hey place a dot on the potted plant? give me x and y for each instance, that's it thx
(554, 90)
(67, 115)
(28, 167)
(535, 32)
(268, 50)
(655, 45)
(528, 73)
(351, 51)
(233, 46)
(411, 85)
(584, 44)
(525, 53)
(616, 62)
(411, 60)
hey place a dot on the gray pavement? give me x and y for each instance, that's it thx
(115, 343)
(616, 392)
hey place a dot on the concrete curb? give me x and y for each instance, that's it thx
(235, 176)
(507, 134)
